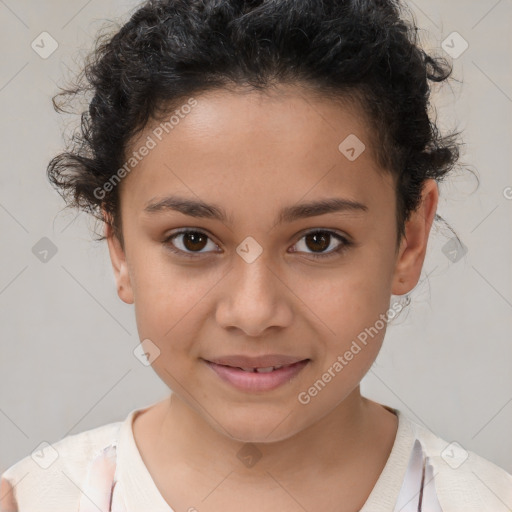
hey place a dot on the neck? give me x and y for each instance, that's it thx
(334, 445)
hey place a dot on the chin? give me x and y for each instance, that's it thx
(258, 426)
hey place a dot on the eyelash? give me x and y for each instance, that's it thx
(345, 243)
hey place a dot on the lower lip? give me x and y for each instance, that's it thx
(254, 381)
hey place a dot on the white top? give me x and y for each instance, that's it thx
(102, 470)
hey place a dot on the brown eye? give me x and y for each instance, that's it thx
(320, 240)
(192, 241)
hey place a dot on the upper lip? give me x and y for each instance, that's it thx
(266, 361)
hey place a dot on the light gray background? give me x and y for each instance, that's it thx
(67, 340)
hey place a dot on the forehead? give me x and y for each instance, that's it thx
(262, 146)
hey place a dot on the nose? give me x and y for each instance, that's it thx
(254, 298)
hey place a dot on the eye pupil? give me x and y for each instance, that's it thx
(319, 235)
(194, 236)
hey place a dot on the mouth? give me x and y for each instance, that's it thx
(258, 378)
(260, 370)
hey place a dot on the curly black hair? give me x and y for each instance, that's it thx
(169, 50)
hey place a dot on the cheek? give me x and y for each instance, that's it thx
(352, 307)
(349, 300)
(165, 310)
(169, 297)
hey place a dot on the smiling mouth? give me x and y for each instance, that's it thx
(258, 379)
(261, 370)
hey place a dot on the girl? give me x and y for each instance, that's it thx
(266, 173)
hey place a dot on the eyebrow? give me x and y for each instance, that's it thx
(198, 208)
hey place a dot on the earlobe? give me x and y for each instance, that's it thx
(119, 263)
(413, 246)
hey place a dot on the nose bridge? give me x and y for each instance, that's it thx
(252, 276)
(254, 298)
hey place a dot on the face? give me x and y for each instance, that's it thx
(251, 272)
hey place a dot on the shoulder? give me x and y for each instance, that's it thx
(464, 480)
(50, 477)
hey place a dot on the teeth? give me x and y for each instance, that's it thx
(265, 370)
(262, 370)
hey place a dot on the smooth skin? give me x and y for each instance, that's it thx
(252, 154)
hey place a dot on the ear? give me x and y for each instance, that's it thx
(413, 246)
(119, 263)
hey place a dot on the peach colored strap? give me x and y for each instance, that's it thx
(100, 492)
